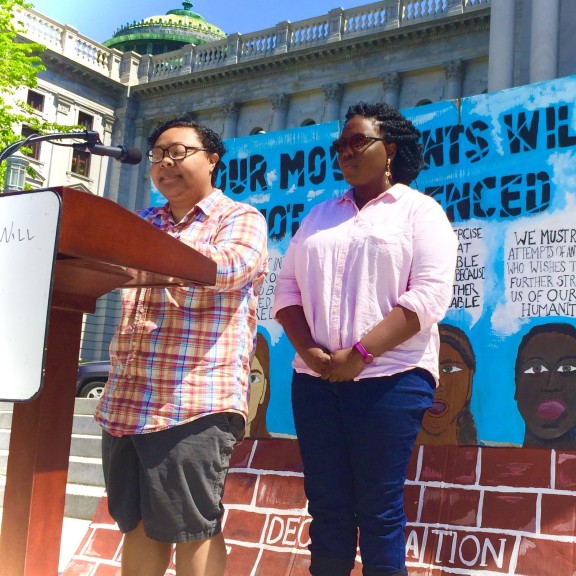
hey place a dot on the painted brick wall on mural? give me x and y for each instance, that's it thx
(470, 511)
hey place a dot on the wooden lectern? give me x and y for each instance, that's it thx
(101, 246)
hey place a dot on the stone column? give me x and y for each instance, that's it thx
(391, 85)
(114, 60)
(109, 138)
(115, 128)
(108, 121)
(544, 40)
(129, 67)
(139, 196)
(188, 57)
(282, 37)
(123, 179)
(454, 7)
(144, 69)
(233, 53)
(280, 103)
(230, 112)
(501, 46)
(454, 76)
(332, 100)
(393, 15)
(335, 24)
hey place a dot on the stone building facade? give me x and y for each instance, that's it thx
(405, 52)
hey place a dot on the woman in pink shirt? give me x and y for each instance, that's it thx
(364, 283)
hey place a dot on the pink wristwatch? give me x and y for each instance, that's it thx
(367, 358)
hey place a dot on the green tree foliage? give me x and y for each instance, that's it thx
(20, 63)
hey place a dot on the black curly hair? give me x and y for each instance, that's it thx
(209, 139)
(394, 127)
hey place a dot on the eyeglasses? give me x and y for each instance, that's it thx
(174, 151)
(356, 142)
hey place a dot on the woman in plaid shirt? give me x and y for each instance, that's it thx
(176, 400)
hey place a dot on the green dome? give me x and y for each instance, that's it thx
(160, 34)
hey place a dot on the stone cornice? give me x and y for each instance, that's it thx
(75, 71)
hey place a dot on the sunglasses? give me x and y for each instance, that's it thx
(174, 151)
(357, 142)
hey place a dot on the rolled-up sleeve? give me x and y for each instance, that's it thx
(433, 266)
(238, 248)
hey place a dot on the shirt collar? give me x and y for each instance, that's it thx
(165, 215)
(396, 191)
(206, 205)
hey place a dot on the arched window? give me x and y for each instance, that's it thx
(423, 102)
(308, 122)
(257, 130)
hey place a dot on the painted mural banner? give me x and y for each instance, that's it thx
(503, 166)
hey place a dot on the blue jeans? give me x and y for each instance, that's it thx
(356, 439)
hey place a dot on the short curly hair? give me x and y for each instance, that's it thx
(209, 139)
(396, 128)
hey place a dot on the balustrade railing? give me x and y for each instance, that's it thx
(308, 33)
(39, 28)
(66, 40)
(209, 55)
(370, 18)
(257, 44)
(286, 37)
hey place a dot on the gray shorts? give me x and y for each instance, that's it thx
(172, 480)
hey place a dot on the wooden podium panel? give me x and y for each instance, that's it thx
(101, 246)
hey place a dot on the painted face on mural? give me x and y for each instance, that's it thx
(454, 390)
(546, 384)
(257, 388)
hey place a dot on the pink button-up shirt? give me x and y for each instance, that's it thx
(348, 268)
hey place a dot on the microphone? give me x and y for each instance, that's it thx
(125, 154)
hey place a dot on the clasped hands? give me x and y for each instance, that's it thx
(340, 366)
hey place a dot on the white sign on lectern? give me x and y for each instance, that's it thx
(28, 239)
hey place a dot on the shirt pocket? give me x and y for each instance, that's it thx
(391, 243)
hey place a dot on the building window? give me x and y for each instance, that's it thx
(36, 100)
(81, 162)
(308, 122)
(31, 150)
(15, 175)
(81, 158)
(85, 120)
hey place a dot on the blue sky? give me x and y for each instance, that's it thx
(99, 19)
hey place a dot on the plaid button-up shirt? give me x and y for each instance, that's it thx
(182, 353)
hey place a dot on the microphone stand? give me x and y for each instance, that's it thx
(90, 138)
